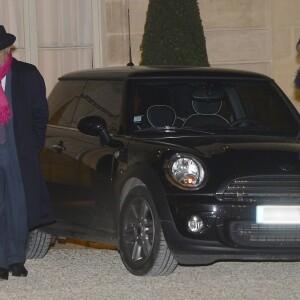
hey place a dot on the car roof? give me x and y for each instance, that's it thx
(121, 73)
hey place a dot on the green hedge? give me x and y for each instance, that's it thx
(173, 34)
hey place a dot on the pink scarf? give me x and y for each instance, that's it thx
(5, 111)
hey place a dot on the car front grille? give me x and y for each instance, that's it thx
(266, 188)
(250, 234)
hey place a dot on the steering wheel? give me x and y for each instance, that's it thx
(245, 122)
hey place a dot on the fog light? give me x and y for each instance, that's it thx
(195, 224)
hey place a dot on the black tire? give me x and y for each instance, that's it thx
(142, 244)
(38, 244)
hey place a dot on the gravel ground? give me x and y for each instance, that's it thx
(87, 273)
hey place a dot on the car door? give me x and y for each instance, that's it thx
(57, 157)
(83, 183)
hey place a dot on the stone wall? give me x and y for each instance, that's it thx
(117, 30)
(285, 32)
(255, 35)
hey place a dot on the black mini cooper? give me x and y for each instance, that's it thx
(175, 165)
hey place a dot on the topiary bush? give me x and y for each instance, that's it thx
(173, 34)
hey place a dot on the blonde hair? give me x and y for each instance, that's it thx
(7, 50)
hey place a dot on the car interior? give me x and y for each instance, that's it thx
(208, 105)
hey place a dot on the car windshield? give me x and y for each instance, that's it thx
(212, 106)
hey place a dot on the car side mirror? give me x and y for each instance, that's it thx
(95, 126)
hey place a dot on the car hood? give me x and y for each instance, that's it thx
(234, 156)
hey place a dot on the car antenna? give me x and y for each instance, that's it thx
(130, 64)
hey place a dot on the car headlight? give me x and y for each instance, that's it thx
(185, 171)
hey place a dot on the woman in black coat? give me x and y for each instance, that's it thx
(24, 200)
(30, 109)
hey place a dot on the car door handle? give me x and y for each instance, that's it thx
(59, 147)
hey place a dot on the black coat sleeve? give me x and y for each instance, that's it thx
(40, 112)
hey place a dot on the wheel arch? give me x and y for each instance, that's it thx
(144, 175)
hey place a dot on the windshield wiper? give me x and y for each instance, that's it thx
(196, 130)
(174, 129)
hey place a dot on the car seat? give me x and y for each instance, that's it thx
(206, 114)
(161, 116)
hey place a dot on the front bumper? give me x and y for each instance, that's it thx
(230, 233)
(196, 252)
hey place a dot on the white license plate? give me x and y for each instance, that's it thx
(275, 214)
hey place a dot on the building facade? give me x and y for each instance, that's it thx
(60, 36)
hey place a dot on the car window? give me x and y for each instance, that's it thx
(179, 103)
(63, 101)
(101, 98)
(261, 103)
(217, 105)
